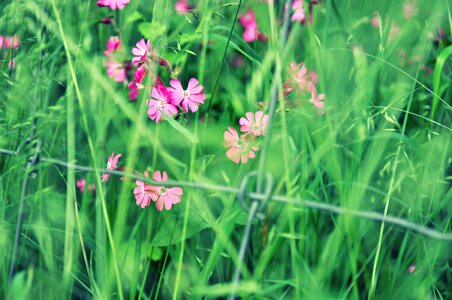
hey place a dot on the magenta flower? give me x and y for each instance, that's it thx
(116, 71)
(299, 14)
(189, 98)
(240, 148)
(81, 184)
(113, 4)
(181, 7)
(411, 268)
(112, 164)
(375, 21)
(255, 124)
(141, 51)
(113, 44)
(317, 100)
(248, 21)
(160, 103)
(139, 74)
(134, 90)
(164, 196)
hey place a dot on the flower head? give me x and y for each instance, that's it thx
(160, 103)
(139, 74)
(299, 78)
(9, 42)
(255, 124)
(134, 90)
(113, 44)
(116, 70)
(113, 4)
(240, 148)
(141, 51)
(112, 164)
(189, 98)
(81, 184)
(182, 7)
(164, 196)
(299, 14)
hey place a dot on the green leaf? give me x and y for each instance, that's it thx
(182, 130)
(152, 30)
(135, 16)
(440, 62)
(170, 232)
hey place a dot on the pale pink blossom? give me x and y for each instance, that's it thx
(299, 78)
(116, 70)
(240, 148)
(160, 103)
(411, 268)
(164, 197)
(113, 4)
(81, 184)
(410, 9)
(299, 14)
(316, 99)
(182, 7)
(255, 124)
(189, 98)
(112, 164)
(113, 44)
(394, 31)
(141, 51)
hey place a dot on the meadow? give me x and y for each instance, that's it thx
(232, 149)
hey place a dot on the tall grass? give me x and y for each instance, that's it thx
(383, 145)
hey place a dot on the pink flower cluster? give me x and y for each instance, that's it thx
(163, 197)
(242, 148)
(113, 4)
(249, 23)
(164, 100)
(115, 70)
(302, 81)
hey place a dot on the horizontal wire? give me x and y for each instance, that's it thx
(256, 196)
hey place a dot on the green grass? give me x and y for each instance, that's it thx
(383, 146)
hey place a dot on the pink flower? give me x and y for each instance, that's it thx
(240, 147)
(189, 98)
(113, 4)
(299, 77)
(141, 51)
(113, 44)
(411, 268)
(134, 90)
(81, 184)
(112, 164)
(163, 196)
(116, 71)
(410, 9)
(248, 21)
(160, 103)
(143, 192)
(299, 14)
(181, 7)
(255, 124)
(317, 100)
(394, 31)
(375, 21)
